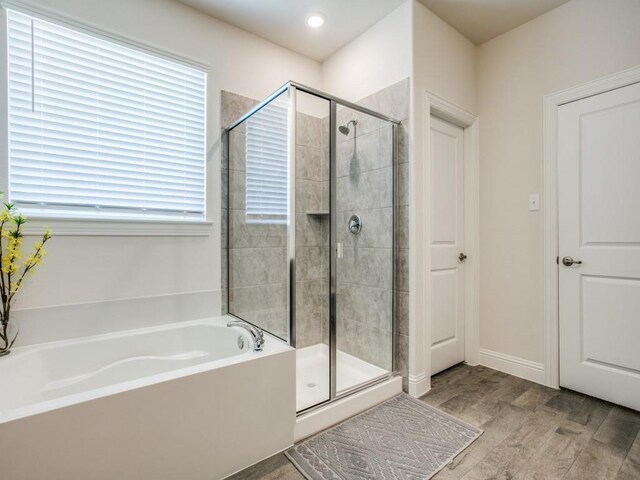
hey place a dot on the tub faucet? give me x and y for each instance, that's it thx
(256, 334)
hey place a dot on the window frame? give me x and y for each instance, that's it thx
(84, 225)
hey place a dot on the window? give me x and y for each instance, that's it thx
(101, 130)
(267, 163)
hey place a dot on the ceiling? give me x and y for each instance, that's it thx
(482, 20)
(284, 21)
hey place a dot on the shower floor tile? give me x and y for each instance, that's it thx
(312, 374)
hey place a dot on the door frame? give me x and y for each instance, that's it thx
(470, 123)
(551, 103)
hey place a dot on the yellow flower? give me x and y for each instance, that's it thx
(12, 249)
(12, 255)
(36, 259)
(9, 267)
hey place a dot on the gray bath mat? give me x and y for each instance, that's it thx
(402, 438)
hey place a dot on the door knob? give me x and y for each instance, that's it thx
(568, 261)
(462, 257)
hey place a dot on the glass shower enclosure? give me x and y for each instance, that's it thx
(311, 195)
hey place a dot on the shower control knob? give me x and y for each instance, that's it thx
(355, 224)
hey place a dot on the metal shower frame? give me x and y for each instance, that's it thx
(292, 88)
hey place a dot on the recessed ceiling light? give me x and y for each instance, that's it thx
(315, 20)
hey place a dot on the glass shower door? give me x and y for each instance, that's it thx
(311, 185)
(363, 224)
(259, 216)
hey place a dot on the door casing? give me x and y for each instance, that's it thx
(439, 107)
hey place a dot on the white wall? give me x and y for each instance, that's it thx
(91, 269)
(577, 42)
(377, 58)
(443, 60)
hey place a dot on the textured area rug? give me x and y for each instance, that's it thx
(402, 438)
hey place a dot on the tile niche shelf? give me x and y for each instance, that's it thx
(317, 213)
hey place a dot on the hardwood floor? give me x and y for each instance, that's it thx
(530, 432)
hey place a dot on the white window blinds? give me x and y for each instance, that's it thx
(267, 163)
(100, 129)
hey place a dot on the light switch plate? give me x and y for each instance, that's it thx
(534, 202)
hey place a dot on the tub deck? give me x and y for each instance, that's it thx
(170, 402)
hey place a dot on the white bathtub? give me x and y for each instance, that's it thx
(183, 401)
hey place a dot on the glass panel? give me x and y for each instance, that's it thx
(364, 247)
(312, 250)
(258, 218)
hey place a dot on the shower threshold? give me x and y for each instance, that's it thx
(312, 374)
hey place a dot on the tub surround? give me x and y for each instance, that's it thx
(64, 322)
(153, 420)
(52, 375)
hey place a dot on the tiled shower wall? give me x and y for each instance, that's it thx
(363, 297)
(364, 168)
(365, 283)
(312, 233)
(394, 101)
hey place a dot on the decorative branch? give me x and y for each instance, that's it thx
(10, 268)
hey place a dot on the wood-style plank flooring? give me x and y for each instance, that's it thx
(530, 432)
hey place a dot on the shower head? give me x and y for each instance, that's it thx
(344, 129)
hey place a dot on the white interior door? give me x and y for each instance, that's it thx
(599, 225)
(447, 244)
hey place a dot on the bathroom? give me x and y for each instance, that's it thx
(268, 237)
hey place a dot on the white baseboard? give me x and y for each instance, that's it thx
(419, 385)
(518, 367)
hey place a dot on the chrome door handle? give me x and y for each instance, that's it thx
(462, 257)
(568, 261)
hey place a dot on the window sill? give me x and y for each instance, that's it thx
(116, 228)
